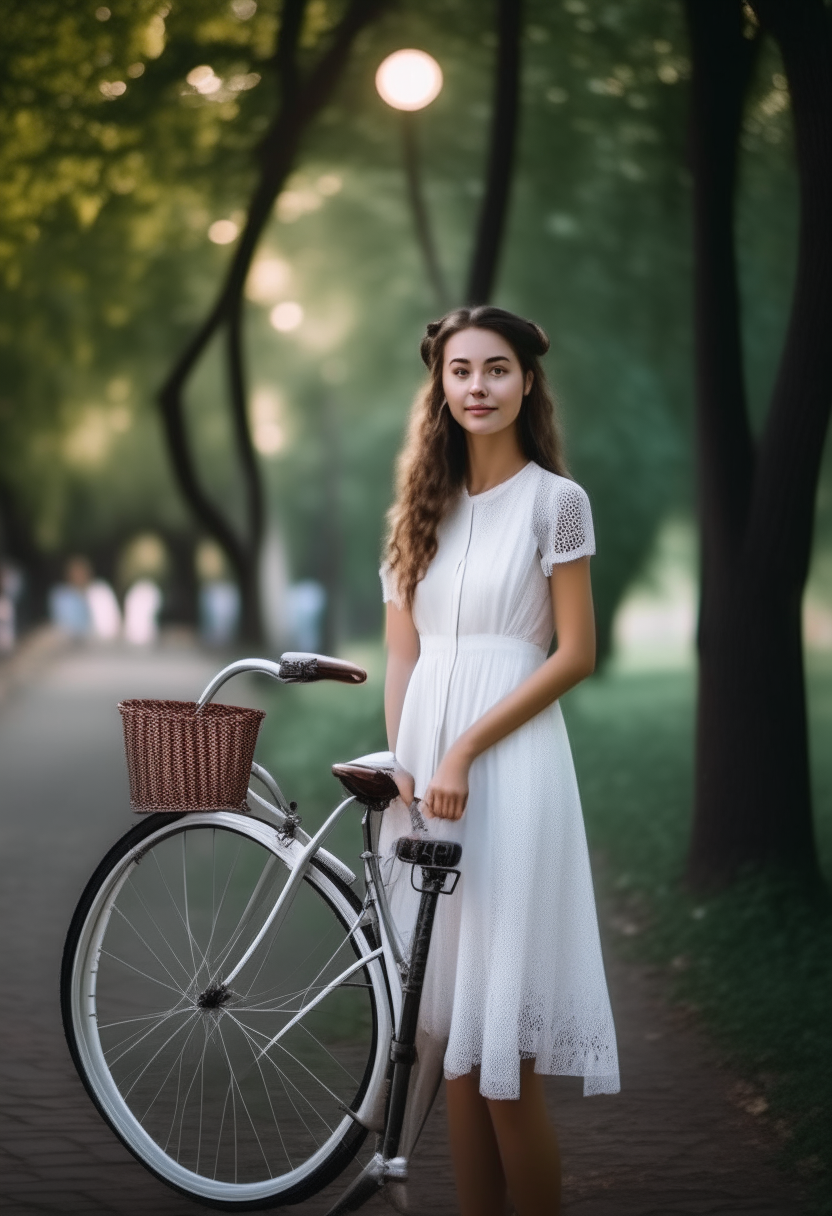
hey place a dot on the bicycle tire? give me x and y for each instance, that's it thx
(206, 1138)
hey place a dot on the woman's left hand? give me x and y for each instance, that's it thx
(447, 793)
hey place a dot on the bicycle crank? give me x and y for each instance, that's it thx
(369, 1182)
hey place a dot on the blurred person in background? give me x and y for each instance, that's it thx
(84, 606)
(306, 602)
(69, 608)
(11, 585)
(219, 597)
(105, 614)
(142, 604)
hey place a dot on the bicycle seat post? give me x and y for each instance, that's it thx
(436, 859)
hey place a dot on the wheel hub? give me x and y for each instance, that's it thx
(214, 996)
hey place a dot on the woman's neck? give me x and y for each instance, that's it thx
(492, 459)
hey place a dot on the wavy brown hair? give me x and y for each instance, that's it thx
(432, 464)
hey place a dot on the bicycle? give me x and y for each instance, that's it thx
(240, 1016)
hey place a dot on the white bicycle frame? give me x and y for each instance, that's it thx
(303, 849)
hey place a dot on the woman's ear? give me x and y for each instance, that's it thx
(528, 385)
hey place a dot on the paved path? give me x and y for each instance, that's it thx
(676, 1141)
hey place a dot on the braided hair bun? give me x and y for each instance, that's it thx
(527, 339)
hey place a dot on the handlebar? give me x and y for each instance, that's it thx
(295, 667)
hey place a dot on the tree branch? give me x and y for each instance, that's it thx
(501, 153)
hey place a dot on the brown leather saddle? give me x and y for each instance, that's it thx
(373, 787)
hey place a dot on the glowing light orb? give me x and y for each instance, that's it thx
(409, 80)
(223, 232)
(286, 316)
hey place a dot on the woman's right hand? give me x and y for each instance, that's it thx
(405, 782)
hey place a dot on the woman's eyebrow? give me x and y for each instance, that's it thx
(490, 359)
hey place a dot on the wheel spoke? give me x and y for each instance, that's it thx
(222, 897)
(150, 949)
(245, 1110)
(164, 936)
(175, 905)
(139, 1035)
(240, 928)
(144, 974)
(184, 839)
(264, 1052)
(155, 1056)
(176, 1062)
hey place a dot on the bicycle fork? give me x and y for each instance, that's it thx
(436, 859)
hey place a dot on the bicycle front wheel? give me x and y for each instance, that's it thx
(232, 1092)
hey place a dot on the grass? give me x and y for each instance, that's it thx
(753, 961)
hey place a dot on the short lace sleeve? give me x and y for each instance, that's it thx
(389, 586)
(562, 522)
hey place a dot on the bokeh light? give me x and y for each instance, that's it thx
(286, 316)
(266, 421)
(409, 80)
(204, 79)
(223, 232)
(268, 279)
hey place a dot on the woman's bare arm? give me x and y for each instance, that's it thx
(402, 656)
(574, 659)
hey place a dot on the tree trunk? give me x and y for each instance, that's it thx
(332, 531)
(19, 545)
(301, 100)
(488, 243)
(421, 219)
(752, 795)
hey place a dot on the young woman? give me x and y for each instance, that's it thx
(487, 555)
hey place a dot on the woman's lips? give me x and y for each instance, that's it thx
(480, 409)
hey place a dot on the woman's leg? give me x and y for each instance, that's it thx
(480, 1182)
(528, 1148)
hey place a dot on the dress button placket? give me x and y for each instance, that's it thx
(456, 603)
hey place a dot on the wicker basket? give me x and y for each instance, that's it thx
(179, 760)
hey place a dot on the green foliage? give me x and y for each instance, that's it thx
(108, 182)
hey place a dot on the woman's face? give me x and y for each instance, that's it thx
(483, 381)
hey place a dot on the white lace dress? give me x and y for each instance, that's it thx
(515, 968)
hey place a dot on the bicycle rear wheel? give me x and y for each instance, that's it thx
(187, 1069)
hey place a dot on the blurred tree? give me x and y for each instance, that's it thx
(303, 90)
(756, 498)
